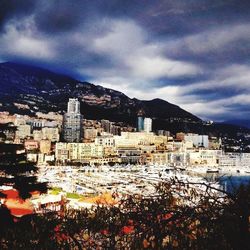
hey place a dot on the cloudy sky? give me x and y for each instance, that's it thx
(193, 53)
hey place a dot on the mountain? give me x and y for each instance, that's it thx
(27, 89)
(244, 123)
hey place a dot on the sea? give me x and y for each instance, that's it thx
(230, 183)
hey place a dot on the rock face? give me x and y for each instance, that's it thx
(44, 90)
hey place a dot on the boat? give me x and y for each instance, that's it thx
(212, 170)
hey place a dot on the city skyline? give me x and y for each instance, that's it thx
(191, 53)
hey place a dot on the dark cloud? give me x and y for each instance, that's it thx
(194, 53)
(15, 9)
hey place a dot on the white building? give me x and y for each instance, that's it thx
(78, 151)
(228, 160)
(73, 106)
(147, 125)
(198, 140)
(205, 157)
(105, 140)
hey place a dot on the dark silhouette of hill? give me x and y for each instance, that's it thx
(239, 122)
(44, 90)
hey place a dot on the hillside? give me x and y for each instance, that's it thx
(37, 85)
(42, 90)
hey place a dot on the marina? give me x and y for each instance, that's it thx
(126, 179)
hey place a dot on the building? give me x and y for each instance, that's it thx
(72, 122)
(140, 124)
(23, 131)
(147, 125)
(134, 139)
(205, 157)
(37, 135)
(45, 146)
(215, 143)
(46, 133)
(198, 140)
(159, 158)
(129, 155)
(32, 157)
(239, 160)
(163, 132)
(115, 130)
(90, 133)
(78, 152)
(31, 145)
(36, 123)
(140, 121)
(105, 140)
(106, 125)
(5, 117)
(180, 136)
(61, 152)
(73, 106)
(51, 134)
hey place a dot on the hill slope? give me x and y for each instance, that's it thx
(42, 90)
(47, 90)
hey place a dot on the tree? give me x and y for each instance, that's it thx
(17, 173)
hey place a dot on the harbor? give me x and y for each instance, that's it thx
(127, 179)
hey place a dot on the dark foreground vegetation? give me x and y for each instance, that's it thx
(204, 221)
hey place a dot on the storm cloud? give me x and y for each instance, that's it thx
(193, 53)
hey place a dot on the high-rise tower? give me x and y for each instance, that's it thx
(147, 125)
(72, 122)
(140, 121)
(73, 106)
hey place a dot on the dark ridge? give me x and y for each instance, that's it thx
(43, 90)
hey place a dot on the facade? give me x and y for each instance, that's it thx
(180, 136)
(106, 125)
(46, 133)
(140, 123)
(205, 157)
(163, 132)
(240, 160)
(90, 133)
(61, 152)
(198, 140)
(73, 106)
(159, 158)
(23, 131)
(131, 139)
(51, 134)
(129, 154)
(37, 135)
(72, 122)
(36, 123)
(79, 152)
(147, 125)
(105, 140)
(31, 145)
(45, 146)
(115, 130)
